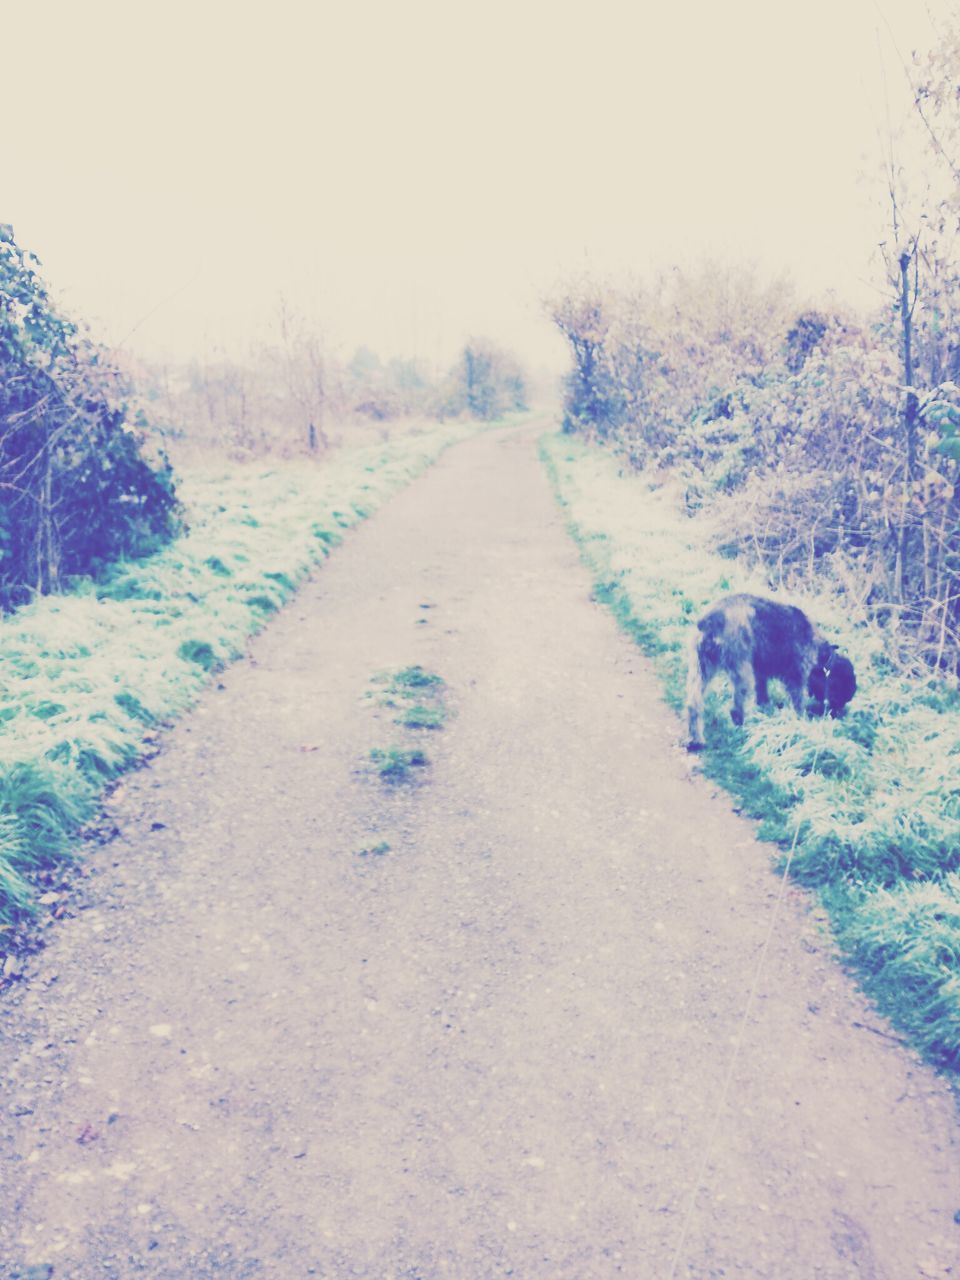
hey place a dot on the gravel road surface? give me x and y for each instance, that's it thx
(266, 1045)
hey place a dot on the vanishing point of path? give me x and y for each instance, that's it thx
(267, 1049)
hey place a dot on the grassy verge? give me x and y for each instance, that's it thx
(875, 796)
(84, 676)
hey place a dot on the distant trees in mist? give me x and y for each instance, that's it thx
(487, 382)
(291, 394)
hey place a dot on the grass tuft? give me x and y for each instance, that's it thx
(200, 652)
(421, 717)
(374, 851)
(394, 764)
(416, 678)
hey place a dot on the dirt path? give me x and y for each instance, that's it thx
(497, 1048)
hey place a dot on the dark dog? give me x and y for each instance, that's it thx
(755, 640)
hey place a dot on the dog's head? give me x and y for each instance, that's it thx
(832, 682)
(841, 684)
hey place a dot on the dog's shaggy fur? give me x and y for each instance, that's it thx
(755, 640)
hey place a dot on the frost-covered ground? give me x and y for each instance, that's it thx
(870, 804)
(84, 676)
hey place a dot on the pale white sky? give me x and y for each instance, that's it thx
(409, 172)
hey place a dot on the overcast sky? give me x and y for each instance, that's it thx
(410, 172)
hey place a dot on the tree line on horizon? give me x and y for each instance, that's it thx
(292, 395)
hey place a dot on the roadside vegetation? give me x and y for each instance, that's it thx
(721, 434)
(873, 799)
(85, 676)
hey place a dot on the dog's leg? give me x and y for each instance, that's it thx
(795, 684)
(795, 691)
(744, 689)
(760, 683)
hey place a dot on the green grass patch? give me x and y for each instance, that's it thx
(394, 764)
(134, 708)
(414, 690)
(422, 717)
(327, 536)
(873, 799)
(415, 678)
(419, 695)
(264, 603)
(200, 652)
(374, 851)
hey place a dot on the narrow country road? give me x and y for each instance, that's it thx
(270, 1047)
